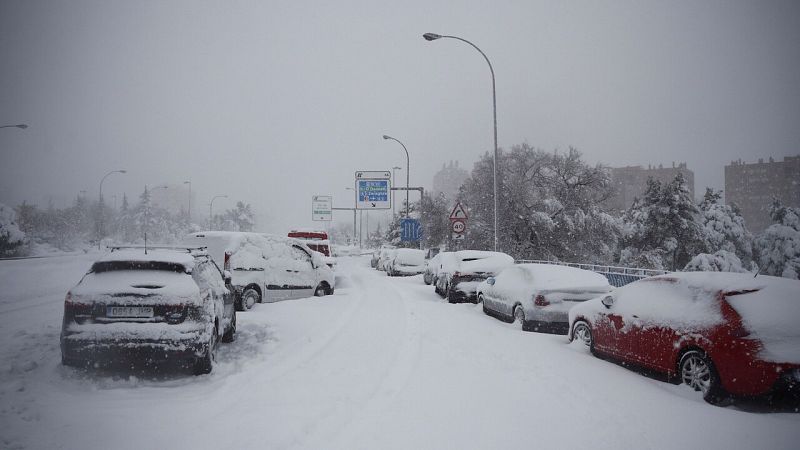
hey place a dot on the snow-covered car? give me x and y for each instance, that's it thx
(539, 296)
(720, 333)
(373, 261)
(385, 254)
(165, 304)
(406, 261)
(266, 268)
(432, 268)
(462, 272)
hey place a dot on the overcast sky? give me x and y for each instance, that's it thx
(273, 102)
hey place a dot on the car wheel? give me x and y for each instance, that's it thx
(230, 335)
(519, 316)
(483, 303)
(582, 332)
(698, 372)
(450, 295)
(250, 297)
(320, 290)
(205, 364)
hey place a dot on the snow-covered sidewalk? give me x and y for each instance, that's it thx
(384, 363)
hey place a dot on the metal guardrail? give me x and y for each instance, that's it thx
(617, 276)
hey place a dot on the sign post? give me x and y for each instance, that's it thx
(322, 208)
(372, 189)
(458, 221)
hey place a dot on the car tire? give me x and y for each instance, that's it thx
(582, 332)
(450, 294)
(250, 297)
(320, 291)
(230, 335)
(483, 304)
(519, 316)
(697, 371)
(205, 364)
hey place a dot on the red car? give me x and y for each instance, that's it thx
(723, 334)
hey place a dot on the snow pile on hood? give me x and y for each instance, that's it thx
(410, 256)
(476, 261)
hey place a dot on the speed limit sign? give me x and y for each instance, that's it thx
(458, 226)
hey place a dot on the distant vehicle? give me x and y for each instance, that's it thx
(315, 240)
(406, 261)
(266, 268)
(720, 333)
(385, 253)
(461, 273)
(168, 304)
(538, 297)
(432, 268)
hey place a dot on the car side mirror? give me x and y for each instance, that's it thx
(607, 301)
(226, 275)
(490, 281)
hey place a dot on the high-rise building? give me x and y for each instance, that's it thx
(449, 180)
(630, 182)
(753, 186)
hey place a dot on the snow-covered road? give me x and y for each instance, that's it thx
(384, 363)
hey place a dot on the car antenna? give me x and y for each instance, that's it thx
(145, 242)
(757, 272)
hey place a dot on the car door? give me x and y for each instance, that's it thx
(304, 275)
(211, 284)
(608, 326)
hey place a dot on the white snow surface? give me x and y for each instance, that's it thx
(384, 363)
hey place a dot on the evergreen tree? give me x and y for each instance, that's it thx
(724, 228)
(779, 246)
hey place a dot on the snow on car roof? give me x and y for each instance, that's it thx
(155, 254)
(410, 256)
(482, 261)
(553, 277)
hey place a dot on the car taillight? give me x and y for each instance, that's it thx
(227, 264)
(540, 301)
(79, 312)
(456, 274)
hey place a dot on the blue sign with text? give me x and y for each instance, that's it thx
(410, 230)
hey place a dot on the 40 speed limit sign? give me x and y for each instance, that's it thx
(458, 226)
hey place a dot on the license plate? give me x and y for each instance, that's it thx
(129, 311)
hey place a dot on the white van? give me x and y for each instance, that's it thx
(264, 267)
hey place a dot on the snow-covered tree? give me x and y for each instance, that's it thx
(778, 247)
(548, 206)
(12, 239)
(720, 261)
(723, 228)
(433, 216)
(662, 230)
(240, 218)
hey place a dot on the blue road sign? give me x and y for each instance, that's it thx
(373, 194)
(410, 230)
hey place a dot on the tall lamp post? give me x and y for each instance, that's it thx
(433, 37)
(393, 169)
(408, 166)
(100, 205)
(21, 126)
(190, 200)
(211, 208)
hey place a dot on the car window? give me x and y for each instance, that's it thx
(208, 276)
(303, 257)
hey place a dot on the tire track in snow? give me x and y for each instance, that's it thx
(395, 376)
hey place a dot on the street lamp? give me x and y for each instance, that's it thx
(433, 37)
(190, 199)
(211, 208)
(21, 126)
(100, 203)
(393, 169)
(408, 166)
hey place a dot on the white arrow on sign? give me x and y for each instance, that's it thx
(459, 213)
